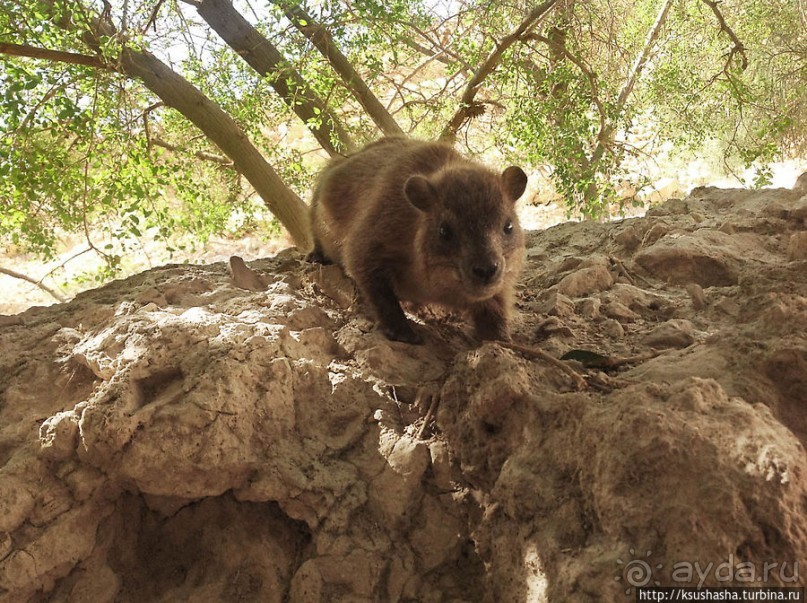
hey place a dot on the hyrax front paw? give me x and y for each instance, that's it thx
(490, 321)
(492, 332)
(316, 256)
(401, 332)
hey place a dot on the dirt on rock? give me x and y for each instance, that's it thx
(175, 437)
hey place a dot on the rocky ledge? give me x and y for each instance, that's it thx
(179, 436)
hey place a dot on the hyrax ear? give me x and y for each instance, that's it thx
(514, 181)
(420, 192)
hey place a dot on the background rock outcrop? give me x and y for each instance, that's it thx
(174, 437)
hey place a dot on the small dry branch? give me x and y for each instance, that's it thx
(219, 159)
(14, 274)
(536, 353)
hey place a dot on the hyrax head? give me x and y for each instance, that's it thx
(470, 232)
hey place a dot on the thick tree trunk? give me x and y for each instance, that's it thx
(322, 40)
(177, 92)
(267, 60)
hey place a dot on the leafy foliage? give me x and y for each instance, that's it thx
(86, 150)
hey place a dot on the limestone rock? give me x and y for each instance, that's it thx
(797, 247)
(676, 333)
(590, 277)
(173, 437)
(706, 258)
(613, 328)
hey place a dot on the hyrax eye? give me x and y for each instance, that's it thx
(508, 227)
(445, 232)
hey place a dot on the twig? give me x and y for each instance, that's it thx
(532, 352)
(53, 91)
(64, 263)
(223, 161)
(86, 191)
(622, 269)
(434, 403)
(605, 383)
(638, 358)
(441, 52)
(55, 294)
(153, 17)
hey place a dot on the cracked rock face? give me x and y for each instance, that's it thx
(173, 437)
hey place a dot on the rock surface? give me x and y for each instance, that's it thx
(173, 437)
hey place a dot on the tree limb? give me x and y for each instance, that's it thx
(630, 81)
(265, 58)
(222, 161)
(468, 105)
(222, 130)
(58, 56)
(321, 38)
(12, 273)
(179, 94)
(737, 46)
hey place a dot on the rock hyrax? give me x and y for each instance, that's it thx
(416, 221)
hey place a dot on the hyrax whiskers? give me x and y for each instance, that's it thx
(416, 221)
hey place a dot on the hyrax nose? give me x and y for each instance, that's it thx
(487, 272)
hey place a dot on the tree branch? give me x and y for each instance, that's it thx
(441, 54)
(585, 70)
(179, 94)
(633, 76)
(644, 55)
(323, 41)
(438, 50)
(57, 56)
(737, 46)
(222, 130)
(66, 261)
(12, 273)
(468, 106)
(266, 59)
(222, 161)
(152, 20)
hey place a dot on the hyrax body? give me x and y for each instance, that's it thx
(416, 221)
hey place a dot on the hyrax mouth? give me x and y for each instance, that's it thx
(477, 291)
(469, 289)
(483, 278)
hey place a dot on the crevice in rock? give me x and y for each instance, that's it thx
(161, 386)
(215, 549)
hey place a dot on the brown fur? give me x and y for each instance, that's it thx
(416, 221)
